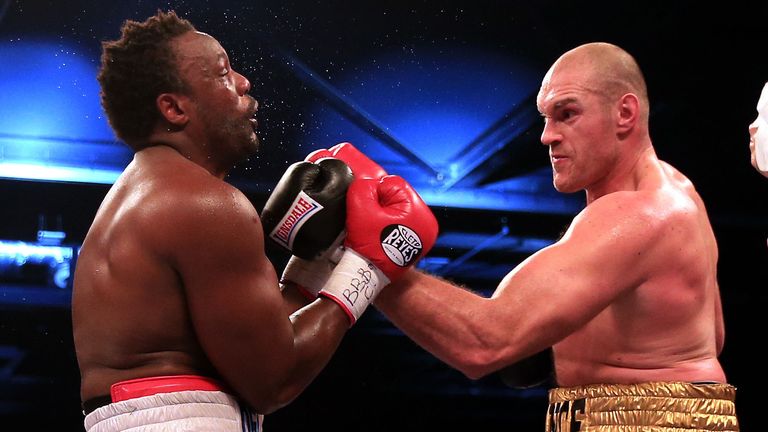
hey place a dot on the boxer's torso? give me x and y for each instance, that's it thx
(669, 327)
(130, 317)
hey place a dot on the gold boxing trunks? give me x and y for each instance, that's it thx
(646, 407)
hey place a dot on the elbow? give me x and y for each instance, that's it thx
(475, 373)
(492, 356)
(481, 355)
(269, 405)
(478, 363)
(265, 406)
(271, 401)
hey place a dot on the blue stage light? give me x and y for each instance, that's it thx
(52, 126)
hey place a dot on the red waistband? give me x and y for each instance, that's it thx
(140, 387)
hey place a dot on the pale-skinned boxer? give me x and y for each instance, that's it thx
(628, 298)
(178, 317)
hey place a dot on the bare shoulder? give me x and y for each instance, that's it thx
(206, 197)
(625, 211)
(181, 203)
(620, 240)
(219, 210)
(675, 176)
(634, 223)
(670, 198)
(185, 191)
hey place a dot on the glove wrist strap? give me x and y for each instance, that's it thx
(311, 275)
(354, 284)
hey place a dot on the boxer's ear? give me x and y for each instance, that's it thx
(172, 108)
(627, 113)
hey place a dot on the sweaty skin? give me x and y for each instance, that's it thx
(629, 293)
(173, 278)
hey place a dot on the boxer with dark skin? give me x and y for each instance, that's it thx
(629, 295)
(172, 278)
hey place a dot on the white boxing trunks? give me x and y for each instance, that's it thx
(173, 403)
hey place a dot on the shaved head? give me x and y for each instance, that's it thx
(608, 70)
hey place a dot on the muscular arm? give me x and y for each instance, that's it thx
(237, 309)
(547, 297)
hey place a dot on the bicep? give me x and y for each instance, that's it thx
(567, 284)
(234, 301)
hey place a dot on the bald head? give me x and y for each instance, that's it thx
(606, 69)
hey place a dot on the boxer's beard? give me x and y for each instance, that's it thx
(233, 133)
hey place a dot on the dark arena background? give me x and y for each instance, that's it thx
(441, 93)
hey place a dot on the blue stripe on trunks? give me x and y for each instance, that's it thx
(246, 420)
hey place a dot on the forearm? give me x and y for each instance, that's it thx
(318, 330)
(446, 320)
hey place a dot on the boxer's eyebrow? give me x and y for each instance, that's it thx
(557, 105)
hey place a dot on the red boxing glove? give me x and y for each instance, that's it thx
(360, 164)
(389, 223)
(389, 227)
